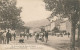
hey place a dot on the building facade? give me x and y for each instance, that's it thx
(63, 24)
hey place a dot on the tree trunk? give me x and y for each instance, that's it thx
(73, 36)
(79, 35)
(78, 32)
(79, 38)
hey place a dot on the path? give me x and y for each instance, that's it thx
(27, 45)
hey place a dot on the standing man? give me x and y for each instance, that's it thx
(8, 36)
(27, 36)
(46, 36)
(42, 36)
(4, 36)
(68, 34)
(36, 36)
(24, 34)
(14, 35)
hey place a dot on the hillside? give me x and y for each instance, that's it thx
(38, 23)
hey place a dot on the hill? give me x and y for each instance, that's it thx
(37, 23)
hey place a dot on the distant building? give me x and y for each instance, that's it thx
(52, 22)
(68, 26)
(52, 26)
(47, 27)
(63, 24)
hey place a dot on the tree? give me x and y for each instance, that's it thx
(78, 35)
(10, 14)
(69, 9)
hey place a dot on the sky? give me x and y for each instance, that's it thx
(32, 10)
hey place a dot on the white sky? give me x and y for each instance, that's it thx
(33, 10)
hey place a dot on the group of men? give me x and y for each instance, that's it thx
(41, 35)
(6, 36)
(23, 34)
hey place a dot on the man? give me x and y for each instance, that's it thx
(42, 36)
(14, 35)
(30, 35)
(4, 36)
(21, 40)
(21, 34)
(24, 35)
(68, 34)
(27, 36)
(46, 36)
(36, 36)
(8, 36)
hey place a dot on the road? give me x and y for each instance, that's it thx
(27, 45)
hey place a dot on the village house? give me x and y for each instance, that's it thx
(47, 27)
(62, 24)
(65, 26)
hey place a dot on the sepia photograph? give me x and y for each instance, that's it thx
(39, 24)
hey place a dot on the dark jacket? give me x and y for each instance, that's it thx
(8, 35)
(46, 34)
(14, 35)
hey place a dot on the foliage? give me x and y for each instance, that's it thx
(10, 14)
(69, 8)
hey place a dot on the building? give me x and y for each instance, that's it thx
(68, 26)
(52, 26)
(48, 27)
(63, 24)
(52, 22)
